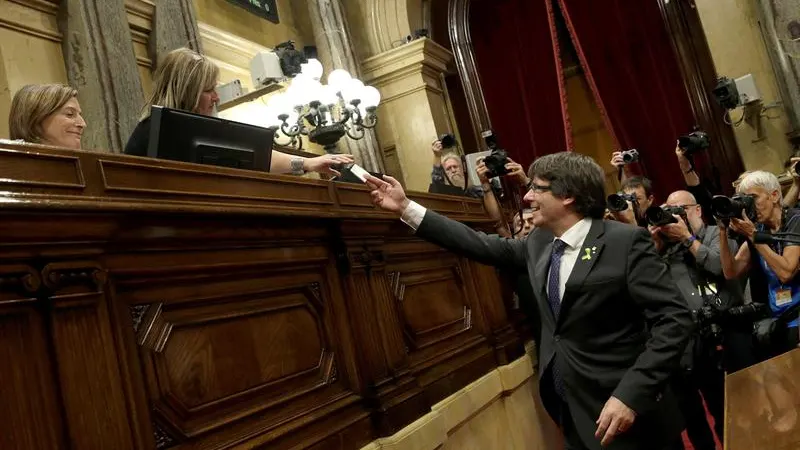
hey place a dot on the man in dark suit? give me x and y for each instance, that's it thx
(614, 326)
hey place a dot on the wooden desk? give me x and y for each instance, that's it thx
(151, 304)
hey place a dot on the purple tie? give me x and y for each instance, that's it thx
(553, 281)
(553, 297)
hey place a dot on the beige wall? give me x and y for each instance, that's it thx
(30, 51)
(737, 47)
(294, 24)
(501, 410)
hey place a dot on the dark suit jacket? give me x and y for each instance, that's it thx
(622, 328)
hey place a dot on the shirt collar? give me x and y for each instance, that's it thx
(577, 233)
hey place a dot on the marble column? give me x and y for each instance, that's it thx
(100, 63)
(778, 18)
(414, 109)
(335, 51)
(174, 26)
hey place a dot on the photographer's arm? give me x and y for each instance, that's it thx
(490, 202)
(790, 199)
(784, 265)
(707, 256)
(733, 267)
(494, 211)
(689, 175)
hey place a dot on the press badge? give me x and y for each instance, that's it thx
(783, 297)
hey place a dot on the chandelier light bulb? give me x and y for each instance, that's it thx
(312, 69)
(370, 97)
(338, 79)
(352, 90)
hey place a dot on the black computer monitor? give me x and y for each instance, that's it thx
(184, 136)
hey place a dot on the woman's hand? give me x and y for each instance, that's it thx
(326, 163)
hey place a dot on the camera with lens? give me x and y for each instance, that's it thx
(619, 202)
(630, 156)
(447, 140)
(659, 216)
(498, 158)
(290, 58)
(732, 207)
(694, 142)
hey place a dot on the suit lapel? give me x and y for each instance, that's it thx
(588, 255)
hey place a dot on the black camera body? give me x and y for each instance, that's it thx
(619, 202)
(497, 159)
(447, 140)
(659, 216)
(694, 142)
(290, 58)
(726, 93)
(727, 208)
(630, 156)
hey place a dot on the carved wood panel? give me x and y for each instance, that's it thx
(232, 351)
(29, 410)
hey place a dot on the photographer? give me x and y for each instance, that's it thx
(692, 252)
(448, 170)
(790, 199)
(772, 267)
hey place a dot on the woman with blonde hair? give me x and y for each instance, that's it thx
(47, 114)
(187, 81)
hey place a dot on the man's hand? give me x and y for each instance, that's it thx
(483, 172)
(616, 159)
(792, 171)
(743, 226)
(655, 234)
(676, 232)
(436, 148)
(389, 194)
(517, 173)
(625, 216)
(615, 419)
(683, 161)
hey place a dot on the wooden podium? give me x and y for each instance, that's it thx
(153, 304)
(763, 405)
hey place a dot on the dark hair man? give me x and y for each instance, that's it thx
(614, 326)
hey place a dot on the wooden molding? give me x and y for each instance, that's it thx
(17, 16)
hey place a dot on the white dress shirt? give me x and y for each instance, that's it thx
(574, 237)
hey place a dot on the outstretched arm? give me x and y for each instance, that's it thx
(450, 234)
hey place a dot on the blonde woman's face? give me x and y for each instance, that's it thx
(207, 101)
(64, 128)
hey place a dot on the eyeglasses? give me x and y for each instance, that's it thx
(686, 206)
(538, 188)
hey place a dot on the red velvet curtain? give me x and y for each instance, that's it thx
(521, 76)
(633, 71)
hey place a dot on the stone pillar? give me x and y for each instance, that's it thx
(98, 52)
(174, 26)
(335, 51)
(778, 19)
(414, 108)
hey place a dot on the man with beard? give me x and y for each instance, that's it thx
(448, 170)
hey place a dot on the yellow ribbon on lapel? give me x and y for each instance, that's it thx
(587, 255)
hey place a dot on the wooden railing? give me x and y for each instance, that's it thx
(152, 304)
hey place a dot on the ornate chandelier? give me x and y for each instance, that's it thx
(324, 113)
